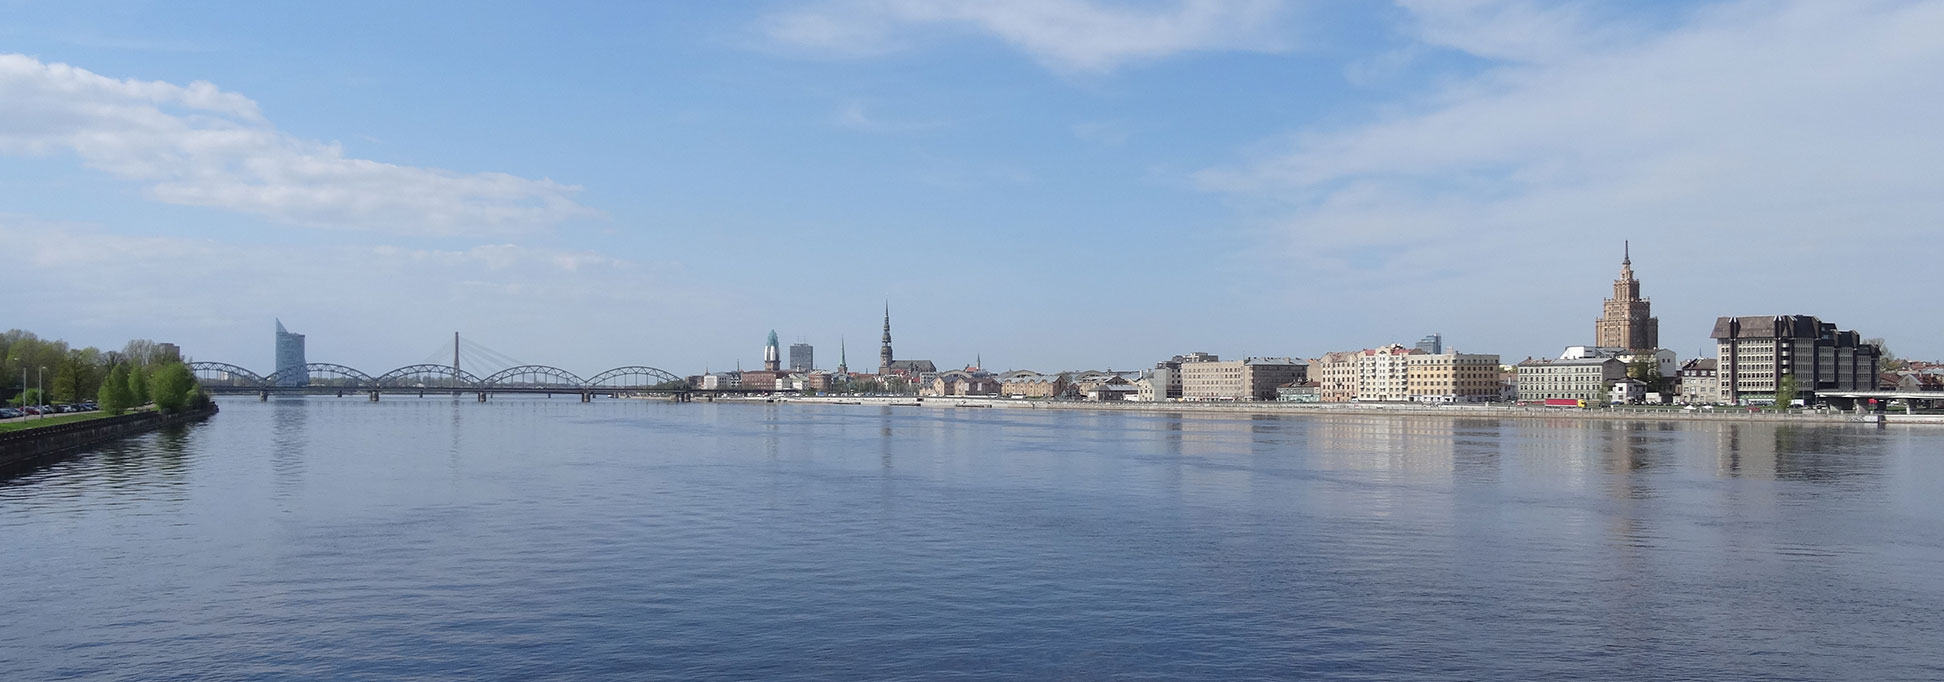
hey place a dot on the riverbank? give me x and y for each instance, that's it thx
(27, 445)
(1366, 409)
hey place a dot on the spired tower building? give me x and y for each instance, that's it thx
(772, 357)
(884, 355)
(1628, 321)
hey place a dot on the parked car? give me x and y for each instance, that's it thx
(10, 413)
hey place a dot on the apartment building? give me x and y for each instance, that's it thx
(1586, 379)
(1248, 379)
(1383, 374)
(1336, 376)
(1755, 353)
(1452, 377)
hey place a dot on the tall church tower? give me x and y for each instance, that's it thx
(884, 356)
(1628, 321)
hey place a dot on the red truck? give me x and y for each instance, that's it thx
(1565, 402)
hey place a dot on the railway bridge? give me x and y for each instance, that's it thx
(425, 379)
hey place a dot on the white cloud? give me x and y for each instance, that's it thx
(1075, 36)
(1749, 141)
(198, 145)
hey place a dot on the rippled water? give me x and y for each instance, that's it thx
(532, 539)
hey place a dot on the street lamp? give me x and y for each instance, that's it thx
(40, 380)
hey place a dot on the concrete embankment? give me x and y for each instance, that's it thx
(1375, 410)
(27, 445)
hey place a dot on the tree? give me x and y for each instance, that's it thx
(171, 387)
(1785, 391)
(30, 396)
(67, 382)
(1646, 368)
(138, 387)
(113, 397)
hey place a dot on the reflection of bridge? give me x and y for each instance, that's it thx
(324, 377)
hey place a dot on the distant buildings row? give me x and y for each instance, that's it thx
(1756, 358)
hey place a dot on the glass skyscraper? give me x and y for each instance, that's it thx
(290, 358)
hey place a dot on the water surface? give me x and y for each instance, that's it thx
(418, 539)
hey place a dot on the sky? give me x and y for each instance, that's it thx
(1040, 184)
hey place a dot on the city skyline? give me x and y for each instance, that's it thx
(1248, 179)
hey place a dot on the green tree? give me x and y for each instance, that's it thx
(1785, 390)
(67, 382)
(1646, 368)
(113, 397)
(198, 400)
(138, 386)
(30, 396)
(171, 386)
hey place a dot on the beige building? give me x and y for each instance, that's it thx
(1586, 379)
(1627, 320)
(1755, 353)
(1383, 374)
(1024, 384)
(1250, 379)
(1699, 384)
(1452, 378)
(1336, 376)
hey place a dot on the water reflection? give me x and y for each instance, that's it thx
(652, 539)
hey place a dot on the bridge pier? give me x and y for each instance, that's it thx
(587, 397)
(482, 396)
(374, 396)
(263, 396)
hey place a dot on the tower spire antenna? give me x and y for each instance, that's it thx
(1626, 252)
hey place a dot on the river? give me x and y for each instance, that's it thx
(532, 539)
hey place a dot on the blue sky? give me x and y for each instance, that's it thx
(1048, 184)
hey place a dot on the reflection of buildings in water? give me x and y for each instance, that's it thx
(289, 440)
(1792, 451)
(1383, 443)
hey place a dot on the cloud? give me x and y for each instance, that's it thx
(198, 145)
(1746, 141)
(1072, 36)
(1749, 114)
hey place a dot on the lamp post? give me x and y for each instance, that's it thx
(40, 381)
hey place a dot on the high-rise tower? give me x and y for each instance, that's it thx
(1628, 321)
(884, 355)
(772, 355)
(290, 358)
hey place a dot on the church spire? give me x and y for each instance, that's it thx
(884, 354)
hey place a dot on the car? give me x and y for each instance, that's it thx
(10, 413)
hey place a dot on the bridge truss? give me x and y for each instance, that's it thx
(324, 377)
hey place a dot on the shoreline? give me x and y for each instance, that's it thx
(23, 447)
(1361, 409)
